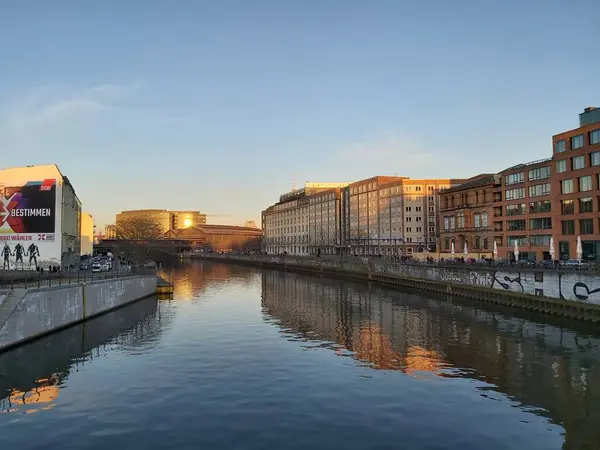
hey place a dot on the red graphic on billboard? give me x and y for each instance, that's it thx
(29, 208)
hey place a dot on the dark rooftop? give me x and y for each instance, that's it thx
(479, 180)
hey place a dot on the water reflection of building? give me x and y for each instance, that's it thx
(193, 277)
(31, 375)
(544, 366)
(38, 398)
(332, 312)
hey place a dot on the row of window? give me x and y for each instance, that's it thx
(579, 162)
(534, 191)
(478, 244)
(586, 226)
(577, 141)
(586, 205)
(392, 190)
(520, 209)
(539, 173)
(480, 220)
(585, 184)
(539, 223)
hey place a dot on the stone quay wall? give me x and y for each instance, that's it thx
(562, 292)
(36, 312)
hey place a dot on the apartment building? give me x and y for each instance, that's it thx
(392, 215)
(524, 211)
(536, 202)
(576, 187)
(324, 229)
(286, 223)
(467, 212)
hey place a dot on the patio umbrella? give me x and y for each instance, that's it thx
(552, 252)
(495, 253)
(452, 252)
(516, 251)
(466, 250)
(579, 249)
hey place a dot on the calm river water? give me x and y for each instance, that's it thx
(248, 359)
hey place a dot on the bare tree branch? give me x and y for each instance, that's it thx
(139, 228)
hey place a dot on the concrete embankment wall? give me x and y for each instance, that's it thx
(43, 310)
(567, 293)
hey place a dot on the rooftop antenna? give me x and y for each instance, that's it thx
(294, 181)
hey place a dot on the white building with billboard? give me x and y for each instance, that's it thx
(40, 219)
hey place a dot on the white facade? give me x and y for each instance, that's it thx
(324, 222)
(287, 224)
(286, 228)
(39, 219)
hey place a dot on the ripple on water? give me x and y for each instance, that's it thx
(246, 359)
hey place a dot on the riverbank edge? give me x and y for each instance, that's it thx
(71, 323)
(540, 304)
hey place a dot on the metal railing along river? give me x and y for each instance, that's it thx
(457, 262)
(24, 279)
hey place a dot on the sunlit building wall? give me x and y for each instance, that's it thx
(168, 220)
(392, 215)
(110, 232)
(186, 219)
(286, 224)
(87, 234)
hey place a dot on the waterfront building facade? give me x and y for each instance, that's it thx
(576, 188)
(40, 219)
(536, 203)
(286, 223)
(324, 222)
(524, 211)
(466, 213)
(393, 215)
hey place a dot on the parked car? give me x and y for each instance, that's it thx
(576, 263)
(548, 264)
(96, 267)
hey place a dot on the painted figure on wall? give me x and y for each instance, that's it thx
(34, 252)
(19, 251)
(6, 253)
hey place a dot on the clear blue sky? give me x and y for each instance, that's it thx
(216, 105)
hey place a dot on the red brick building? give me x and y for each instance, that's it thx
(467, 214)
(556, 198)
(575, 187)
(524, 211)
